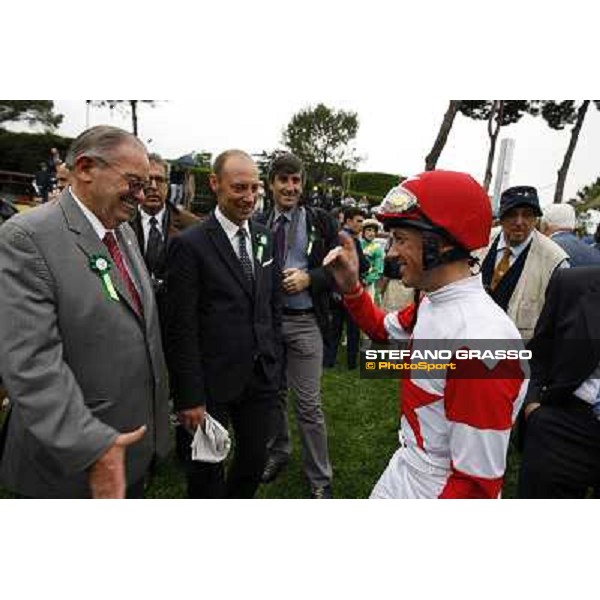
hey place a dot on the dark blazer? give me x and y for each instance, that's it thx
(566, 342)
(219, 324)
(322, 231)
(176, 220)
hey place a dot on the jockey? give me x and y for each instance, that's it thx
(455, 424)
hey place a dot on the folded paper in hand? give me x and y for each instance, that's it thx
(211, 442)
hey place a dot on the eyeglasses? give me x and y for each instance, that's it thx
(158, 179)
(136, 184)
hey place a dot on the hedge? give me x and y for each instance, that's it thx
(23, 152)
(374, 186)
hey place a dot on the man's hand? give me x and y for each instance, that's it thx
(342, 261)
(192, 418)
(530, 408)
(107, 474)
(295, 280)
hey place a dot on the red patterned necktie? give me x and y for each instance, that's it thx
(110, 242)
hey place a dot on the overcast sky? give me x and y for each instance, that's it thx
(394, 135)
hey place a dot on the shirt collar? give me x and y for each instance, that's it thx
(514, 250)
(90, 216)
(158, 216)
(457, 289)
(288, 214)
(230, 227)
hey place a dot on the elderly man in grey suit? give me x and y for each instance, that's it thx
(80, 348)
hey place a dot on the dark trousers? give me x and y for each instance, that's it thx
(135, 491)
(561, 458)
(249, 417)
(339, 316)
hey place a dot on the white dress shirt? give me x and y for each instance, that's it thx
(159, 216)
(101, 231)
(231, 229)
(515, 251)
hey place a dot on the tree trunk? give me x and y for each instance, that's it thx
(497, 111)
(442, 136)
(564, 169)
(134, 119)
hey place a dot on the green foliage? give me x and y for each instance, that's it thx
(559, 114)
(587, 197)
(204, 198)
(512, 110)
(24, 152)
(263, 161)
(372, 185)
(124, 105)
(320, 137)
(203, 159)
(31, 111)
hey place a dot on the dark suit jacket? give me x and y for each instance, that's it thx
(566, 342)
(322, 230)
(176, 220)
(219, 324)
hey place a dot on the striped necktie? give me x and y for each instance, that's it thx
(110, 242)
(243, 254)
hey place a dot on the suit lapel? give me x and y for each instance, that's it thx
(223, 246)
(589, 308)
(89, 242)
(136, 225)
(138, 271)
(258, 269)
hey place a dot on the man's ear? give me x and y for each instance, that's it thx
(83, 167)
(213, 182)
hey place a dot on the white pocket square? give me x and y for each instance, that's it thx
(267, 263)
(211, 443)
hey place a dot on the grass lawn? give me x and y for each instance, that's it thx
(362, 425)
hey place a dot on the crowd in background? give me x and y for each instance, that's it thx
(111, 269)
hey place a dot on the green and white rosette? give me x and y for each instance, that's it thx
(101, 265)
(311, 241)
(261, 243)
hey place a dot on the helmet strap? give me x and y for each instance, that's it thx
(433, 255)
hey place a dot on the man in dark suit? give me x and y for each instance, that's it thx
(224, 329)
(303, 236)
(562, 438)
(80, 347)
(155, 222)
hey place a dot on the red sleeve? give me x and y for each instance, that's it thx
(461, 485)
(367, 315)
(372, 320)
(479, 405)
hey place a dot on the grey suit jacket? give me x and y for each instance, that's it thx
(79, 366)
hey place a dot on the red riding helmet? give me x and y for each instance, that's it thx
(449, 203)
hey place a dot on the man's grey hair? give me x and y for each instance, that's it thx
(159, 160)
(560, 217)
(98, 142)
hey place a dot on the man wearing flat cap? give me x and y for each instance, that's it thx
(520, 260)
